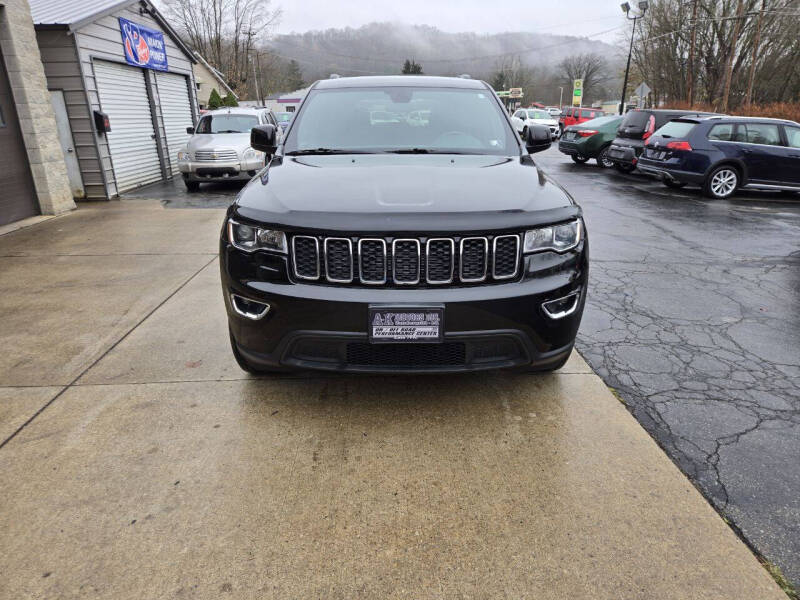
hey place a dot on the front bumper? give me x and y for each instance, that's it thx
(219, 170)
(311, 326)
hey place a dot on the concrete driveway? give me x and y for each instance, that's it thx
(138, 461)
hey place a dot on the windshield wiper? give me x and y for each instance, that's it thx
(426, 151)
(230, 131)
(310, 151)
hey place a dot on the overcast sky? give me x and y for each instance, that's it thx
(569, 17)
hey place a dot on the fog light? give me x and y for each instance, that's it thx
(249, 309)
(562, 307)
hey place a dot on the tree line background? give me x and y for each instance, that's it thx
(732, 55)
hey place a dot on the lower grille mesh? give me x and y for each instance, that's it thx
(406, 355)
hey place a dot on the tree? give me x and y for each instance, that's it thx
(230, 100)
(225, 32)
(214, 100)
(294, 76)
(592, 68)
(411, 67)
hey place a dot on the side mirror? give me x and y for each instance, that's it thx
(190, 130)
(264, 139)
(538, 138)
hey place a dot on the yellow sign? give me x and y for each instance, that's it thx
(577, 92)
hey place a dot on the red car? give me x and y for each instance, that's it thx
(574, 116)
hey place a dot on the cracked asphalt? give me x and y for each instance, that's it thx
(693, 317)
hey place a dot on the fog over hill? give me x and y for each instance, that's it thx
(381, 48)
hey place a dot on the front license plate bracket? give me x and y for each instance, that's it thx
(406, 324)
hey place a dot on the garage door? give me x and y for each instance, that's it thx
(123, 97)
(173, 92)
(18, 199)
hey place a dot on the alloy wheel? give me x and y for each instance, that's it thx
(724, 182)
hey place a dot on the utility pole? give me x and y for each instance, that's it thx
(729, 64)
(690, 84)
(751, 79)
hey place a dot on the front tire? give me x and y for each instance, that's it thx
(721, 183)
(603, 160)
(578, 160)
(192, 186)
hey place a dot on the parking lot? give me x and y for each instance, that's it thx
(138, 458)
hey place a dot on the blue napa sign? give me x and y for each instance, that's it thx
(144, 47)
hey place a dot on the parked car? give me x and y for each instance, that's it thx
(553, 110)
(525, 117)
(724, 154)
(283, 119)
(219, 149)
(368, 246)
(590, 139)
(637, 127)
(576, 115)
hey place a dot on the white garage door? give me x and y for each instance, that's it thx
(173, 92)
(123, 97)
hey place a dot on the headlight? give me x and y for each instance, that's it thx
(183, 156)
(251, 154)
(558, 237)
(249, 238)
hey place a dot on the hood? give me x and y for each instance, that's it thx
(219, 141)
(551, 122)
(404, 193)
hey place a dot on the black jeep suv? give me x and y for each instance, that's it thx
(402, 226)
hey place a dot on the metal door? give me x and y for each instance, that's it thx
(67, 143)
(132, 140)
(176, 110)
(18, 198)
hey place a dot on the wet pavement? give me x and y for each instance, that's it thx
(693, 317)
(138, 461)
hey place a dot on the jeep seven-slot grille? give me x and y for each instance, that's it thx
(406, 261)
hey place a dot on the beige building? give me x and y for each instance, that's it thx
(206, 79)
(31, 157)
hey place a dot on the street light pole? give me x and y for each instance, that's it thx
(626, 7)
(561, 99)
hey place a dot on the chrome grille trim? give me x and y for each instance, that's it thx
(461, 260)
(428, 262)
(349, 254)
(494, 257)
(394, 261)
(216, 155)
(385, 265)
(294, 256)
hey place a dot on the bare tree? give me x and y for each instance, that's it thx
(592, 68)
(225, 32)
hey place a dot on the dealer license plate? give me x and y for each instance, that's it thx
(389, 324)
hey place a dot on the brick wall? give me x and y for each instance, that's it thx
(37, 121)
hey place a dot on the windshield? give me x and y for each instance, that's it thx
(227, 124)
(539, 114)
(402, 119)
(676, 129)
(283, 117)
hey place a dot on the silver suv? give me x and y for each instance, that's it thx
(219, 149)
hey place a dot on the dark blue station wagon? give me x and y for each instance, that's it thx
(723, 154)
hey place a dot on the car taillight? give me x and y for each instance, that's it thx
(651, 127)
(586, 132)
(679, 146)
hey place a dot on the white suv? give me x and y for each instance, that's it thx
(524, 117)
(219, 149)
